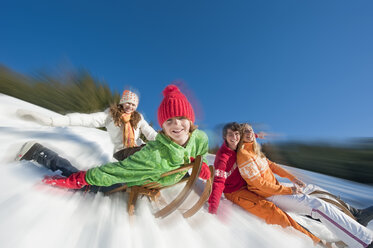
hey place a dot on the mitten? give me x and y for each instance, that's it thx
(74, 181)
(35, 116)
(205, 173)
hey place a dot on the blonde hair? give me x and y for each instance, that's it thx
(256, 146)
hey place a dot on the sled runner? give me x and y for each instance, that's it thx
(152, 191)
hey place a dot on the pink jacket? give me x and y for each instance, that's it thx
(227, 176)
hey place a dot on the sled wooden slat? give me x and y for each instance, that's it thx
(152, 184)
(135, 191)
(184, 179)
(204, 197)
(185, 192)
(121, 188)
(152, 190)
(183, 168)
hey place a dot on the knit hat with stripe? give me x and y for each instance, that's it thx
(174, 104)
(129, 96)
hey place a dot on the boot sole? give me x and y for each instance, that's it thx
(25, 148)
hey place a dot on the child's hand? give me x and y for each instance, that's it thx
(205, 172)
(296, 190)
(299, 183)
(261, 135)
(35, 116)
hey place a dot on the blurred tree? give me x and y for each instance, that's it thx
(77, 92)
(354, 162)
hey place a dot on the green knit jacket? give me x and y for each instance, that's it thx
(147, 165)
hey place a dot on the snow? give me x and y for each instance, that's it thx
(36, 215)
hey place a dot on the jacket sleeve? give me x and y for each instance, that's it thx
(205, 147)
(250, 172)
(147, 130)
(141, 166)
(79, 119)
(277, 169)
(202, 145)
(218, 186)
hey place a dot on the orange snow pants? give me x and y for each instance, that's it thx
(265, 210)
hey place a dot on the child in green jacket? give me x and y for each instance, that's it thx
(177, 143)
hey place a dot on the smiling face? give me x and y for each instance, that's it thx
(248, 134)
(232, 138)
(129, 107)
(177, 129)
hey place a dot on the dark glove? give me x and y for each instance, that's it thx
(74, 181)
(205, 173)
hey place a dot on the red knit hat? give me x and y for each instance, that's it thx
(174, 104)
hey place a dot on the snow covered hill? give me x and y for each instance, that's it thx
(36, 215)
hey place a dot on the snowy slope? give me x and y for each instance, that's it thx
(37, 215)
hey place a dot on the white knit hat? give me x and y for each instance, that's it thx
(129, 96)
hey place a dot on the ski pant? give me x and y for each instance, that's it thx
(51, 160)
(313, 189)
(54, 162)
(344, 227)
(265, 210)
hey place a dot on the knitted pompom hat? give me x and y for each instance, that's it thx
(129, 96)
(174, 104)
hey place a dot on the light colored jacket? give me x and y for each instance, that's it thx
(104, 119)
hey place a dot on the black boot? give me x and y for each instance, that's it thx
(46, 157)
(364, 216)
(27, 150)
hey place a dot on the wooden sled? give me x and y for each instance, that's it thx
(152, 191)
(334, 200)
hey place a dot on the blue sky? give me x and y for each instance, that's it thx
(302, 69)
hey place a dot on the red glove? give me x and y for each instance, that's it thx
(205, 173)
(74, 181)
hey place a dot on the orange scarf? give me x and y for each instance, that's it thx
(128, 133)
